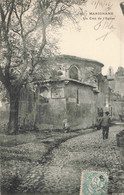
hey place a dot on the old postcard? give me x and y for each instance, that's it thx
(62, 97)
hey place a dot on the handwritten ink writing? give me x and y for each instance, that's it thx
(103, 37)
(108, 25)
(98, 25)
(104, 4)
(103, 24)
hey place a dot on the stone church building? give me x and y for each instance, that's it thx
(74, 95)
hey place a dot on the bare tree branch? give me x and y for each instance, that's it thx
(5, 32)
(9, 17)
(31, 30)
(2, 14)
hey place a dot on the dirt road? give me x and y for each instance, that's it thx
(61, 174)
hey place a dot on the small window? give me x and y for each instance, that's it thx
(77, 96)
(44, 92)
(43, 89)
(111, 111)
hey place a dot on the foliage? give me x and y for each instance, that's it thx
(27, 35)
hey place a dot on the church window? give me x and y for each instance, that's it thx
(73, 73)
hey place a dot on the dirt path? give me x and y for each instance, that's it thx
(61, 173)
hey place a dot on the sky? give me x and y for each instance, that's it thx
(101, 36)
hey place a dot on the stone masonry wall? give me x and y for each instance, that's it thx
(81, 109)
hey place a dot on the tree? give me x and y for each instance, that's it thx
(4, 97)
(24, 41)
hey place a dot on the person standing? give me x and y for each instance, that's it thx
(105, 123)
(66, 125)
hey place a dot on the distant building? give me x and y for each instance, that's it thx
(119, 81)
(116, 84)
(116, 81)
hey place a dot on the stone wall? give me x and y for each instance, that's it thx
(42, 109)
(119, 85)
(81, 108)
(47, 108)
(103, 97)
(27, 107)
(117, 109)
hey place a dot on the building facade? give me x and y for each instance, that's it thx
(72, 96)
(116, 84)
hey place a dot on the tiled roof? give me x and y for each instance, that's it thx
(62, 80)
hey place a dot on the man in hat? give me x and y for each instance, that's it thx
(105, 123)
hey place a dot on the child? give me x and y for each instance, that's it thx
(66, 125)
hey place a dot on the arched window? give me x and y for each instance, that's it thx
(73, 73)
(43, 90)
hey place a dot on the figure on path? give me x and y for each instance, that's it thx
(66, 125)
(105, 123)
